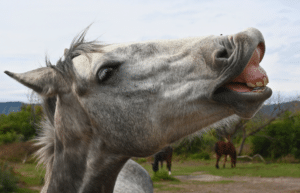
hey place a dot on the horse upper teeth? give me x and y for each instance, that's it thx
(265, 81)
(250, 84)
(259, 84)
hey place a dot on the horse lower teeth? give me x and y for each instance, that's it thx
(257, 88)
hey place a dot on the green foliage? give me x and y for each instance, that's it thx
(10, 137)
(141, 160)
(21, 122)
(261, 145)
(36, 174)
(198, 144)
(162, 175)
(25, 190)
(8, 182)
(202, 156)
(279, 139)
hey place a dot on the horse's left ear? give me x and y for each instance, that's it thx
(45, 81)
(66, 51)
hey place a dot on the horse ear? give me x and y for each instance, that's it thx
(66, 51)
(45, 81)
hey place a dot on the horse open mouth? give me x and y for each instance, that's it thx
(254, 78)
(246, 92)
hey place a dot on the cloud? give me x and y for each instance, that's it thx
(285, 11)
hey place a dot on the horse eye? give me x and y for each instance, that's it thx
(104, 74)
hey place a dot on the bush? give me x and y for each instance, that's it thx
(10, 137)
(21, 122)
(162, 175)
(8, 182)
(279, 139)
(202, 156)
(261, 145)
(198, 144)
(141, 160)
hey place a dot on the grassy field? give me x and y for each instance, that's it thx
(242, 169)
(192, 167)
(31, 177)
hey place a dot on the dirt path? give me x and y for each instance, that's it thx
(237, 184)
(206, 183)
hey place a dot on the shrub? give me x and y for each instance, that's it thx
(261, 145)
(21, 122)
(279, 139)
(162, 175)
(205, 142)
(141, 160)
(9, 137)
(8, 182)
(202, 156)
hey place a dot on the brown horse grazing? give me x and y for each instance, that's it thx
(221, 148)
(164, 155)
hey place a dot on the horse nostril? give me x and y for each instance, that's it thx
(222, 54)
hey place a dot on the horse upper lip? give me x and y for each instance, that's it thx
(246, 50)
(253, 75)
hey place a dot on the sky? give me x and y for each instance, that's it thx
(31, 29)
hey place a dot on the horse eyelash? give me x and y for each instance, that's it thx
(112, 66)
(103, 76)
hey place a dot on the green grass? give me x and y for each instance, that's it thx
(192, 167)
(167, 186)
(258, 170)
(162, 175)
(24, 190)
(29, 174)
(242, 169)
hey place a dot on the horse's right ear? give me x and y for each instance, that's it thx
(45, 81)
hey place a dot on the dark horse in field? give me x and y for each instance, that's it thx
(225, 148)
(164, 155)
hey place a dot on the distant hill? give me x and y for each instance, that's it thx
(292, 106)
(7, 107)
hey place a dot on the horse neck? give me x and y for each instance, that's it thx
(84, 168)
(82, 160)
(156, 159)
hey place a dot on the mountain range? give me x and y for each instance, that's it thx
(8, 107)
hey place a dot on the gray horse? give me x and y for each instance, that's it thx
(108, 103)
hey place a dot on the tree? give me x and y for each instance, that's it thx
(261, 121)
(34, 100)
(282, 137)
(275, 107)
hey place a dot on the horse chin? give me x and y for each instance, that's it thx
(244, 104)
